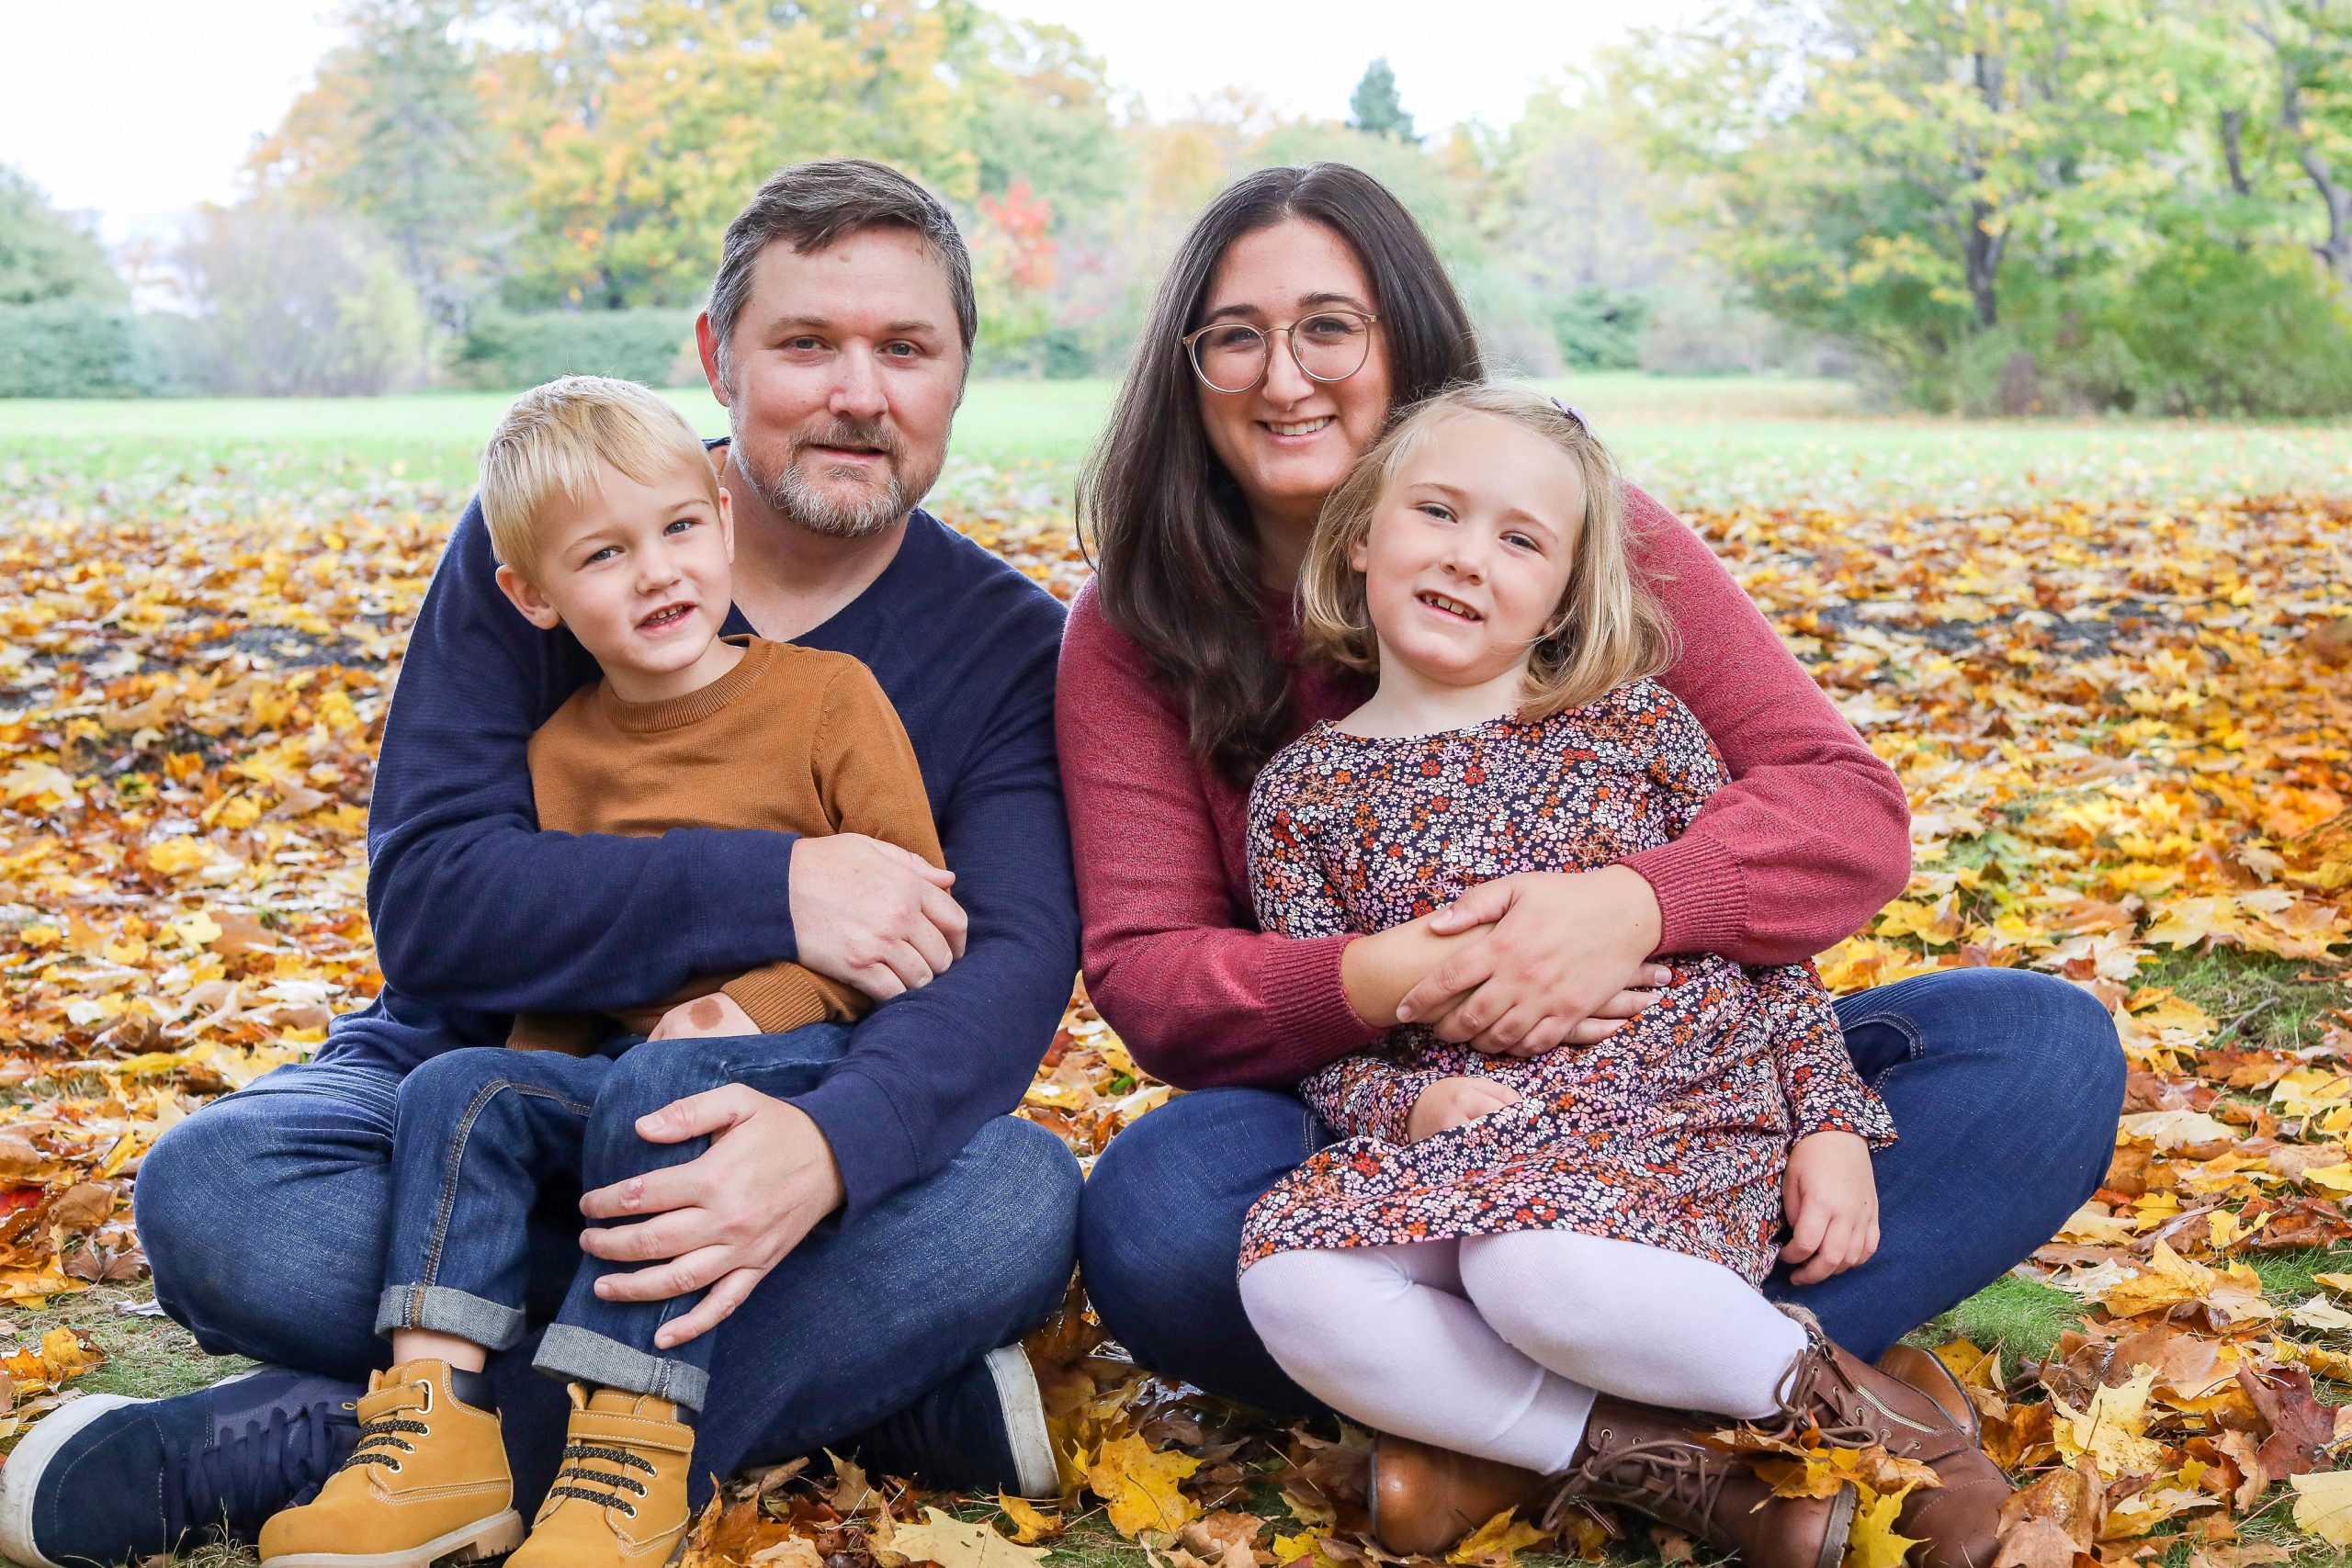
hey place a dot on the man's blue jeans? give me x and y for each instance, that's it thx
(479, 1133)
(269, 1218)
(2005, 1086)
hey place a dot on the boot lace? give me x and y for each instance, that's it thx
(275, 1461)
(1662, 1479)
(378, 1438)
(573, 1472)
(1810, 1400)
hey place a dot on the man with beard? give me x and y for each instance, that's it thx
(876, 1230)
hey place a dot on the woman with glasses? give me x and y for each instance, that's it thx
(1302, 310)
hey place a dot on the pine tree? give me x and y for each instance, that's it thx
(1375, 108)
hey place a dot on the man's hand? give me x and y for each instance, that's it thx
(872, 914)
(1450, 1102)
(724, 1218)
(1566, 962)
(705, 1018)
(1833, 1206)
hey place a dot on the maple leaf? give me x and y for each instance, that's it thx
(1496, 1543)
(1874, 1542)
(1138, 1487)
(2323, 1505)
(2112, 1432)
(949, 1541)
(1030, 1525)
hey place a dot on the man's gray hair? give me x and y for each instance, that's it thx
(812, 205)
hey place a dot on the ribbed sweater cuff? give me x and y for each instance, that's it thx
(1702, 894)
(1310, 1004)
(871, 1147)
(778, 998)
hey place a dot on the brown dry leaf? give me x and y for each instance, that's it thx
(2300, 1428)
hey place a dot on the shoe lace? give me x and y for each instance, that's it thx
(1661, 1477)
(379, 1436)
(273, 1462)
(572, 1473)
(1818, 1399)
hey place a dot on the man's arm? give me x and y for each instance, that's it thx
(932, 1067)
(472, 905)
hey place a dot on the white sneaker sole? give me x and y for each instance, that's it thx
(21, 1477)
(1024, 1421)
(492, 1537)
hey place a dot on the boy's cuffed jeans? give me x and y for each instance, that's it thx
(480, 1132)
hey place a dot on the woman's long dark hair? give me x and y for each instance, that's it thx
(1174, 551)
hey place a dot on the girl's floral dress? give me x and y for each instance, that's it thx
(1673, 1133)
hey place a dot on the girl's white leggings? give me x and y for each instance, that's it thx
(1496, 1344)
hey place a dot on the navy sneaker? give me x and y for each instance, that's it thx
(982, 1430)
(108, 1479)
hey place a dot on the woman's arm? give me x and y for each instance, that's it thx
(1198, 992)
(1813, 834)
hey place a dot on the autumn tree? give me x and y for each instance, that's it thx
(395, 132)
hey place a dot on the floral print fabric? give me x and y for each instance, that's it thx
(1673, 1133)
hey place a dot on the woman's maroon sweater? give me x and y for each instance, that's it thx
(1808, 841)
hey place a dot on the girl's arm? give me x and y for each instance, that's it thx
(1824, 1092)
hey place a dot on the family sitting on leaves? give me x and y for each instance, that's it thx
(1418, 795)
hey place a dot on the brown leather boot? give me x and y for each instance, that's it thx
(1854, 1404)
(1926, 1371)
(1424, 1499)
(1651, 1461)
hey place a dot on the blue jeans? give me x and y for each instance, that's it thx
(853, 1326)
(481, 1131)
(2005, 1086)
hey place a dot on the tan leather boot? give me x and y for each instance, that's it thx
(1854, 1404)
(620, 1499)
(1651, 1461)
(428, 1479)
(1424, 1499)
(1926, 1371)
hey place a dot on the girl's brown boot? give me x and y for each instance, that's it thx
(428, 1479)
(1424, 1499)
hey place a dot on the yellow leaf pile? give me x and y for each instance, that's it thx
(2125, 732)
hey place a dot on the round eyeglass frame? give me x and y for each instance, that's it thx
(1190, 340)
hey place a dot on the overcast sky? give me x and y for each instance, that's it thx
(138, 108)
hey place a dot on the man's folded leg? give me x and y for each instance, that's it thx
(897, 1339)
(263, 1216)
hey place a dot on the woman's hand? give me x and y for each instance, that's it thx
(705, 1018)
(1833, 1206)
(1565, 961)
(724, 1218)
(1450, 1102)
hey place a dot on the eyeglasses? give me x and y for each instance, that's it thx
(1233, 356)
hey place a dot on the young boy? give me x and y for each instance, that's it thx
(608, 520)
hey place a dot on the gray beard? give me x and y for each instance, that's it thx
(799, 499)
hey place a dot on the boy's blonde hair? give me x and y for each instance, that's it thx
(1607, 630)
(553, 441)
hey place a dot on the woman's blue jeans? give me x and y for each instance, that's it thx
(268, 1216)
(2005, 1086)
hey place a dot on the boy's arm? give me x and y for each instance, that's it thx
(472, 905)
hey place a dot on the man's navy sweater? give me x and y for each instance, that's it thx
(478, 915)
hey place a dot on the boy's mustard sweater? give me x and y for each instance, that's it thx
(794, 739)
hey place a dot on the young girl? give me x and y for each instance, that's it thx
(1522, 1260)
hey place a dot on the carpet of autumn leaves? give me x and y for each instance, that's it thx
(2126, 732)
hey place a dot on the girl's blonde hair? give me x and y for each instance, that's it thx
(1607, 630)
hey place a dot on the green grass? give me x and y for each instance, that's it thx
(1693, 441)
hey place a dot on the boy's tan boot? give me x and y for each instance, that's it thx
(428, 1479)
(620, 1498)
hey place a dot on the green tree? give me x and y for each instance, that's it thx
(1879, 170)
(395, 131)
(44, 255)
(1375, 110)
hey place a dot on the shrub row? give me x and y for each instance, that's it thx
(504, 350)
(76, 348)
